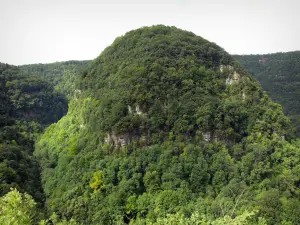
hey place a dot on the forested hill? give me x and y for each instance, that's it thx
(62, 75)
(167, 128)
(279, 75)
(28, 104)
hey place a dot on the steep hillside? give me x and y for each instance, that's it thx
(279, 75)
(62, 75)
(27, 105)
(165, 125)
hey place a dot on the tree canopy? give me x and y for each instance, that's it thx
(28, 104)
(165, 126)
(279, 75)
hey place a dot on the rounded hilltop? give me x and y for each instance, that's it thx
(163, 122)
(155, 80)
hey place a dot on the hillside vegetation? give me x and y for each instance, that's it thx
(279, 75)
(62, 75)
(27, 105)
(167, 128)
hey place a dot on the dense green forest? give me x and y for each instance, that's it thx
(63, 75)
(279, 75)
(167, 124)
(164, 127)
(28, 104)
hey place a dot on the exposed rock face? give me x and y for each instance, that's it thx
(125, 139)
(234, 78)
(209, 136)
(206, 136)
(129, 109)
(117, 140)
(243, 96)
(138, 110)
(223, 67)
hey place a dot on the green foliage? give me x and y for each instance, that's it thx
(28, 104)
(279, 75)
(56, 221)
(17, 208)
(62, 75)
(19, 169)
(159, 133)
(96, 182)
(30, 97)
(196, 219)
